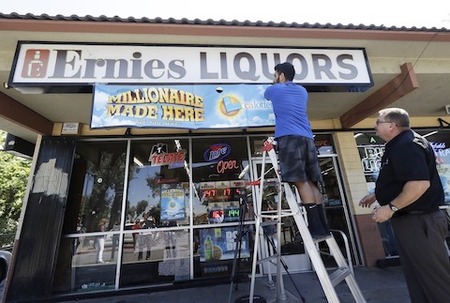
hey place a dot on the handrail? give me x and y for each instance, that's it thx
(347, 247)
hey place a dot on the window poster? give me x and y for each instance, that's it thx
(218, 244)
(172, 204)
(443, 167)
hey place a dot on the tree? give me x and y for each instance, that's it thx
(14, 172)
(141, 207)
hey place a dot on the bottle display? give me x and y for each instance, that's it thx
(208, 249)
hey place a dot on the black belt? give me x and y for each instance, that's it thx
(416, 212)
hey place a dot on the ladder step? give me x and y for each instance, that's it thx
(268, 223)
(339, 275)
(266, 259)
(321, 239)
(328, 279)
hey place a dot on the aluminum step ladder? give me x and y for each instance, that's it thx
(328, 281)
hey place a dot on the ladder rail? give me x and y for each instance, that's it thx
(327, 281)
(258, 220)
(347, 248)
(310, 247)
(314, 254)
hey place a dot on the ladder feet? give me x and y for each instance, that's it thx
(270, 284)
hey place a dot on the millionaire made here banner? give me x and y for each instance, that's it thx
(181, 106)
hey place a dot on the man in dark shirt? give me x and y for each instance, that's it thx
(409, 191)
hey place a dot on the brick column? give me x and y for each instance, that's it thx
(356, 188)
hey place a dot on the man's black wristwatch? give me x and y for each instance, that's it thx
(393, 207)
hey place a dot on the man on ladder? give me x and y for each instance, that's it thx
(299, 165)
(327, 280)
(296, 149)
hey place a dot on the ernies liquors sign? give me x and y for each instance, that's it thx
(84, 64)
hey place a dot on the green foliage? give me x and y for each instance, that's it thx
(14, 172)
(140, 207)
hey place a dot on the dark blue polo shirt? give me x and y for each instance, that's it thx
(409, 157)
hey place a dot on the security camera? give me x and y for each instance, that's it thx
(219, 89)
(447, 109)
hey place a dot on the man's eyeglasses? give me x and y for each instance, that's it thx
(378, 122)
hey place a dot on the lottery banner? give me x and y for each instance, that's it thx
(181, 106)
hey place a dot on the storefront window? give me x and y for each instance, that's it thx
(166, 227)
(216, 168)
(102, 194)
(157, 250)
(159, 182)
(440, 141)
(88, 252)
(218, 171)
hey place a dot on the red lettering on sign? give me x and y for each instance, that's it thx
(223, 166)
(165, 159)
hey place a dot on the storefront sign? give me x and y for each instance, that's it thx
(229, 214)
(217, 152)
(84, 64)
(223, 167)
(371, 160)
(181, 106)
(70, 128)
(159, 156)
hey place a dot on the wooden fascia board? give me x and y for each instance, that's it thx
(401, 85)
(17, 113)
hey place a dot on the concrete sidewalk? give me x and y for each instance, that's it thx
(377, 285)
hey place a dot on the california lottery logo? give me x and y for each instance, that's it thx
(230, 106)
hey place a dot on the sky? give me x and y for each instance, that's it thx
(431, 13)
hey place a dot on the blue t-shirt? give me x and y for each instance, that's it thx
(289, 101)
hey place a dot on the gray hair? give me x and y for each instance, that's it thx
(397, 115)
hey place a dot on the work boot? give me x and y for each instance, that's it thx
(317, 224)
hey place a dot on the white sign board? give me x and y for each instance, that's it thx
(52, 63)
